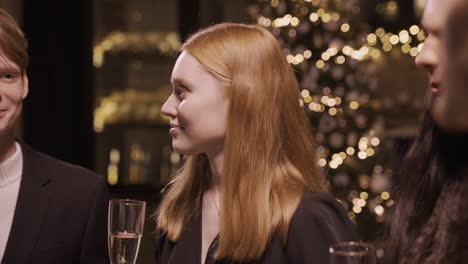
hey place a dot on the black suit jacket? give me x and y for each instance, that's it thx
(60, 215)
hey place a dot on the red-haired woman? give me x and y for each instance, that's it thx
(249, 190)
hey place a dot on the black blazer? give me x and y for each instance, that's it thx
(319, 221)
(60, 215)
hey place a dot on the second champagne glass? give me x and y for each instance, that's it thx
(352, 252)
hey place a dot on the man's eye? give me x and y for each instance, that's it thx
(8, 76)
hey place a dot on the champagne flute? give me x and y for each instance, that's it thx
(125, 229)
(352, 252)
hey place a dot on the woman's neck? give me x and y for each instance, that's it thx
(217, 165)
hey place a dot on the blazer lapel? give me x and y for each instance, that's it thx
(30, 209)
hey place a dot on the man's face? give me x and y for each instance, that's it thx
(433, 59)
(13, 89)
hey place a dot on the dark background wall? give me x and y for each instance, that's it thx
(58, 110)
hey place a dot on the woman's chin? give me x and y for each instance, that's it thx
(184, 151)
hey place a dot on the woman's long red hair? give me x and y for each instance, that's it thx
(270, 157)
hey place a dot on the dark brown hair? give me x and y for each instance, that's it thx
(429, 221)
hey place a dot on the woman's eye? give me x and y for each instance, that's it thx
(181, 93)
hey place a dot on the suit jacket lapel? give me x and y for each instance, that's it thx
(30, 209)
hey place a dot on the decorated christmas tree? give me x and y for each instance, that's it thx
(335, 53)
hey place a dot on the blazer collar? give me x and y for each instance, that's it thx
(31, 208)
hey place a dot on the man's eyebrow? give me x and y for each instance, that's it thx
(8, 69)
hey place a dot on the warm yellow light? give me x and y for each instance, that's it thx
(305, 93)
(112, 174)
(320, 64)
(290, 58)
(294, 21)
(312, 106)
(405, 38)
(387, 47)
(385, 195)
(354, 105)
(333, 164)
(322, 162)
(362, 145)
(355, 201)
(362, 155)
(332, 111)
(364, 195)
(371, 38)
(350, 151)
(299, 58)
(339, 160)
(308, 99)
(337, 99)
(307, 54)
(335, 17)
(361, 202)
(324, 99)
(274, 3)
(313, 17)
(114, 156)
(325, 56)
(385, 38)
(421, 36)
(375, 141)
(320, 12)
(340, 59)
(414, 52)
(342, 155)
(345, 27)
(403, 33)
(379, 210)
(357, 209)
(332, 51)
(380, 32)
(347, 50)
(392, 7)
(405, 48)
(394, 39)
(370, 152)
(326, 18)
(375, 53)
(414, 30)
(331, 102)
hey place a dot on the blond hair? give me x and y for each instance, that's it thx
(269, 153)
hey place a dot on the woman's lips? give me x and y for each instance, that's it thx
(174, 130)
(435, 87)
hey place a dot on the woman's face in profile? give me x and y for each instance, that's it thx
(197, 108)
(451, 109)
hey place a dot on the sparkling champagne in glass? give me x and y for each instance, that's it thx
(126, 223)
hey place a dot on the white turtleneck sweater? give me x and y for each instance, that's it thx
(10, 178)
